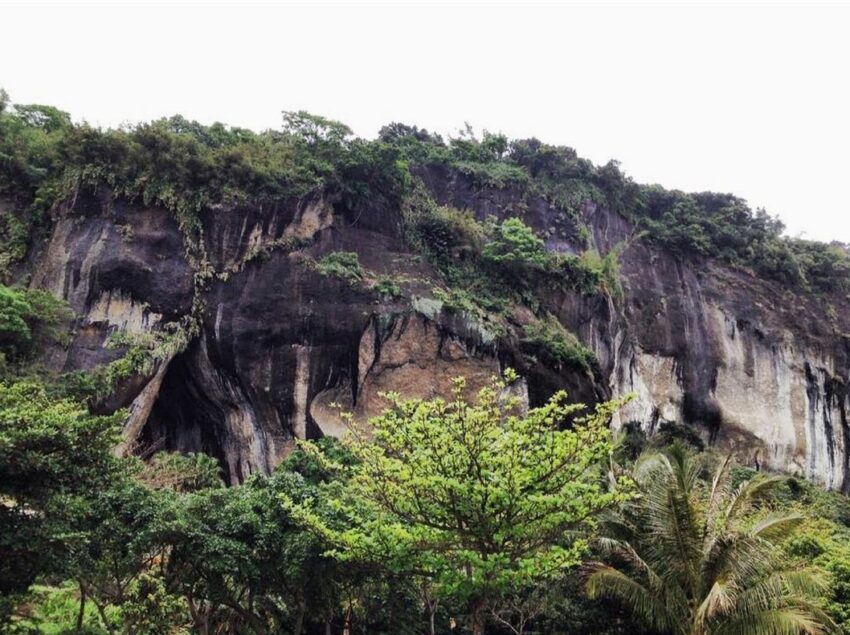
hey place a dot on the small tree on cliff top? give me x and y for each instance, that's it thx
(473, 496)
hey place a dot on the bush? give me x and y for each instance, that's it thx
(30, 319)
(513, 244)
(575, 272)
(550, 336)
(341, 264)
(387, 287)
(446, 232)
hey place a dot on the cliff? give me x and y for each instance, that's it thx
(254, 338)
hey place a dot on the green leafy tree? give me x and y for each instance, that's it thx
(151, 610)
(30, 319)
(695, 555)
(514, 246)
(315, 130)
(237, 557)
(478, 496)
(242, 562)
(53, 454)
(124, 531)
(827, 544)
(122, 535)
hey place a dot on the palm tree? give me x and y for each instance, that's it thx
(693, 555)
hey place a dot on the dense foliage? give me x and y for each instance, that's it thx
(465, 512)
(30, 320)
(690, 225)
(45, 159)
(476, 496)
(52, 453)
(696, 554)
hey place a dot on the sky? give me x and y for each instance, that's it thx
(748, 98)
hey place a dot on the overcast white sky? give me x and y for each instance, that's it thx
(752, 98)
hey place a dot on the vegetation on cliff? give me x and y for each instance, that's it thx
(46, 159)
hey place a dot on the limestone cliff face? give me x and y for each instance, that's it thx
(752, 367)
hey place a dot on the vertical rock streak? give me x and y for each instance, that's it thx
(280, 346)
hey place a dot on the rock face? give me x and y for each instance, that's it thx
(755, 369)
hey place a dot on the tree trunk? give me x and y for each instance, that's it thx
(81, 615)
(430, 603)
(106, 623)
(299, 617)
(327, 627)
(477, 617)
(256, 623)
(200, 614)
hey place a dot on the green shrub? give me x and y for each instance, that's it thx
(575, 272)
(826, 544)
(590, 272)
(446, 232)
(387, 287)
(30, 319)
(495, 174)
(549, 335)
(341, 264)
(53, 610)
(14, 240)
(513, 244)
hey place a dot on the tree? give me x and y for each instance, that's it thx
(476, 496)
(315, 130)
(53, 454)
(242, 562)
(30, 319)
(694, 555)
(151, 610)
(123, 530)
(515, 246)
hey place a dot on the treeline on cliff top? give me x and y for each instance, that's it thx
(45, 159)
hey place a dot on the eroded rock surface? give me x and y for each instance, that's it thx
(752, 367)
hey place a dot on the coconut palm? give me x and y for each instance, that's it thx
(694, 555)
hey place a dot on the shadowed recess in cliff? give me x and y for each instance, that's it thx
(692, 301)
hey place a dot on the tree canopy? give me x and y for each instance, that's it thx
(474, 494)
(695, 554)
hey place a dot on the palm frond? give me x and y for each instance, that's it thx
(776, 527)
(674, 540)
(779, 621)
(720, 600)
(693, 559)
(719, 492)
(649, 463)
(752, 491)
(735, 556)
(782, 588)
(611, 583)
